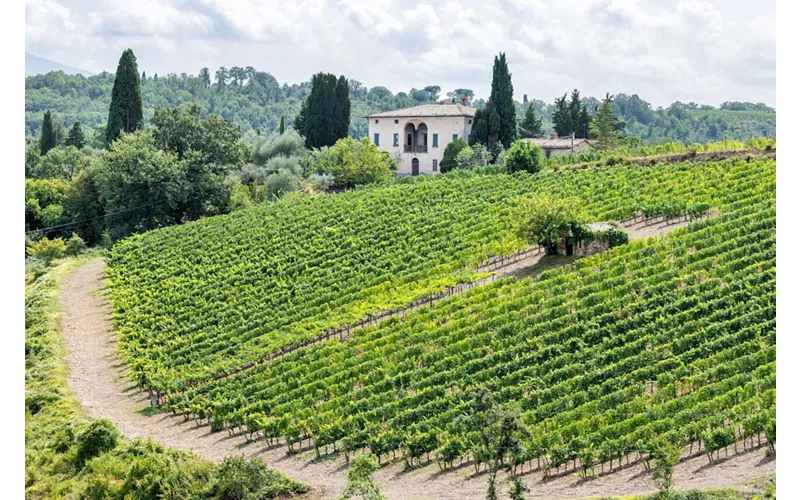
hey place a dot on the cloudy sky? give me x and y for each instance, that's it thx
(664, 50)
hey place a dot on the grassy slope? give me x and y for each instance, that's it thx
(53, 417)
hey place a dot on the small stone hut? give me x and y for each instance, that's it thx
(598, 240)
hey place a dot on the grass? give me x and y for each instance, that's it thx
(55, 421)
(148, 411)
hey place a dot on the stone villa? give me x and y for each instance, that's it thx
(418, 135)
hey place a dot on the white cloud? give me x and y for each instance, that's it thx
(664, 50)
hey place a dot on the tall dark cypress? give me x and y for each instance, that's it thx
(325, 114)
(125, 112)
(47, 140)
(281, 126)
(76, 137)
(342, 99)
(575, 113)
(502, 98)
(562, 121)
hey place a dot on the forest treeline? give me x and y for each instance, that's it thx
(256, 101)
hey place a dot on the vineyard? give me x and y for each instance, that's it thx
(197, 300)
(671, 338)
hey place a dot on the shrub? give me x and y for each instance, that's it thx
(321, 182)
(359, 479)
(240, 479)
(75, 245)
(279, 184)
(279, 164)
(450, 156)
(240, 196)
(353, 162)
(99, 437)
(290, 143)
(523, 156)
(47, 250)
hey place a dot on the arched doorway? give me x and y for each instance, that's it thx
(415, 167)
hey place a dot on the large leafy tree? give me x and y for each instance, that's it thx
(325, 114)
(211, 149)
(546, 219)
(353, 162)
(143, 186)
(125, 111)
(61, 162)
(76, 137)
(523, 156)
(47, 139)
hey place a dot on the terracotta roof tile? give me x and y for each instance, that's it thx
(424, 110)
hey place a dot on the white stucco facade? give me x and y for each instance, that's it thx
(418, 135)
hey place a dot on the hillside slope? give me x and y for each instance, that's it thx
(35, 65)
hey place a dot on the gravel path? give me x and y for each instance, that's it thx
(97, 377)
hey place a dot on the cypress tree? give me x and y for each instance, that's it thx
(480, 130)
(342, 100)
(502, 98)
(47, 140)
(325, 114)
(562, 121)
(76, 137)
(280, 127)
(125, 112)
(584, 124)
(606, 127)
(531, 126)
(575, 113)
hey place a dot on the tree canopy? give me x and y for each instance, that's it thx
(546, 219)
(353, 162)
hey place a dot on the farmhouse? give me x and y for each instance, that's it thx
(418, 135)
(557, 146)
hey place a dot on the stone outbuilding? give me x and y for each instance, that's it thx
(558, 146)
(600, 237)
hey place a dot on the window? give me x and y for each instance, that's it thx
(377, 136)
(435, 165)
(396, 141)
(436, 140)
(470, 122)
(455, 136)
(396, 122)
(376, 121)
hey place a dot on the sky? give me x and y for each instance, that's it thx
(664, 51)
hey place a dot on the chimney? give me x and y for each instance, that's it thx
(554, 135)
(464, 100)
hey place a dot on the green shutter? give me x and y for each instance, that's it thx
(396, 139)
(377, 142)
(436, 140)
(455, 136)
